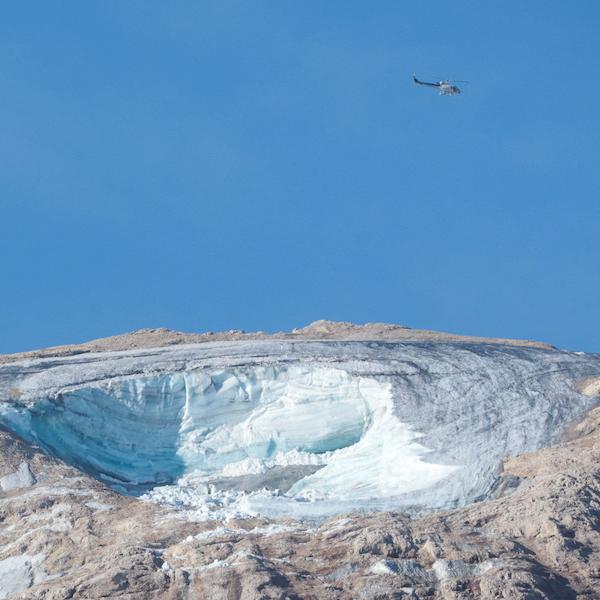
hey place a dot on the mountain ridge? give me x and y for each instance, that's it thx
(321, 330)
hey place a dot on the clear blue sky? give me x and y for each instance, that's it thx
(259, 165)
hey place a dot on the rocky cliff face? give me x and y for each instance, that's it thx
(301, 468)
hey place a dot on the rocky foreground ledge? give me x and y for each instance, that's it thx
(64, 534)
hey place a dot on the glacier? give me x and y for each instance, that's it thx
(302, 429)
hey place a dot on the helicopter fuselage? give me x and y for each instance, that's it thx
(447, 89)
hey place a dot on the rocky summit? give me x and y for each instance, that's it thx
(334, 461)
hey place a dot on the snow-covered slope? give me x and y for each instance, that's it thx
(298, 428)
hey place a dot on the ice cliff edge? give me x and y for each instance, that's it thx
(327, 419)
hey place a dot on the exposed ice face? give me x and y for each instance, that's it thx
(304, 429)
(211, 426)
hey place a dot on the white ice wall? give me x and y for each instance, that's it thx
(404, 426)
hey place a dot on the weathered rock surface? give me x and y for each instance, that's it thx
(64, 534)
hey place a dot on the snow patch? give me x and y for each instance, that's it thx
(383, 567)
(22, 477)
(215, 564)
(402, 567)
(459, 569)
(19, 573)
(99, 506)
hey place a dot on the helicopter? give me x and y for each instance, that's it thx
(447, 88)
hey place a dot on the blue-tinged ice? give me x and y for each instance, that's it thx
(304, 430)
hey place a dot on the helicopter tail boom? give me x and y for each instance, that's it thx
(417, 82)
